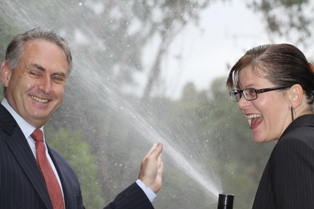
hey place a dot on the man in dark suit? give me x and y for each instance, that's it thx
(32, 174)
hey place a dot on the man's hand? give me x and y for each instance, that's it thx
(152, 168)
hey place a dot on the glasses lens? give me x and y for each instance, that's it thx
(249, 94)
(235, 95)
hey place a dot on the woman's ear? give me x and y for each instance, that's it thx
(295, 94)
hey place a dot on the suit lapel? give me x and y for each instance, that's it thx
(23, 154)
(65, 178)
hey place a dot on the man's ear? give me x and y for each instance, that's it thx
(5, 74)
(295, 94)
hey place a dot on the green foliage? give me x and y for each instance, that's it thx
(290, 19)
(243, 160)
(206, 127)
(71, 145)
(210, 131)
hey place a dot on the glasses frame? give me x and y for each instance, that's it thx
(234, 92)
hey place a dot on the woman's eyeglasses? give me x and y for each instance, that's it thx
(250, 94)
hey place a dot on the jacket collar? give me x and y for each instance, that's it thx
(302, 121)
(7, 122)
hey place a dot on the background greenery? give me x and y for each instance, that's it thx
(104, 132)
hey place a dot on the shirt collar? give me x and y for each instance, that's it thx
(26, 128)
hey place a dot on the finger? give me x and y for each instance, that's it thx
(151, 150)
(155, 151)
(159, 160)
(160, 168)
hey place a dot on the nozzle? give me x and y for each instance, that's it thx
(225, 201)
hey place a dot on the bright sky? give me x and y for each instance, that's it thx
(201, 54)
(226, 31)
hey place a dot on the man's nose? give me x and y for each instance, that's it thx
(45, 84)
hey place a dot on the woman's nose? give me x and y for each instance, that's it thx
(243, 103)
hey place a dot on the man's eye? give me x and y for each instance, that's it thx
(58, 78)
(34, 74)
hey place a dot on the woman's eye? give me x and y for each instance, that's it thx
(251, 91)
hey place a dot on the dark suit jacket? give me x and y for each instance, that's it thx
(288, 179)
(22, 185)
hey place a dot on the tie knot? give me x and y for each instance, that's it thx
(37, 135)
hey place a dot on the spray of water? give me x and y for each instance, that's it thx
(106, 92)
(145, 126)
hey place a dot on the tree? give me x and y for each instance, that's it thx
(115, 34)
(72, 146)
(244, 160)
(209, 131)
(108, 39)
(291, 19)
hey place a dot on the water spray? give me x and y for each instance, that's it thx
(225, 201)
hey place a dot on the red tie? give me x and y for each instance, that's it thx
(45, 167)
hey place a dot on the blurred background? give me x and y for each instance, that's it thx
(155, 70)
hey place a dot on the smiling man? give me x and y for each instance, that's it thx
(32, 174)
(35, 87)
